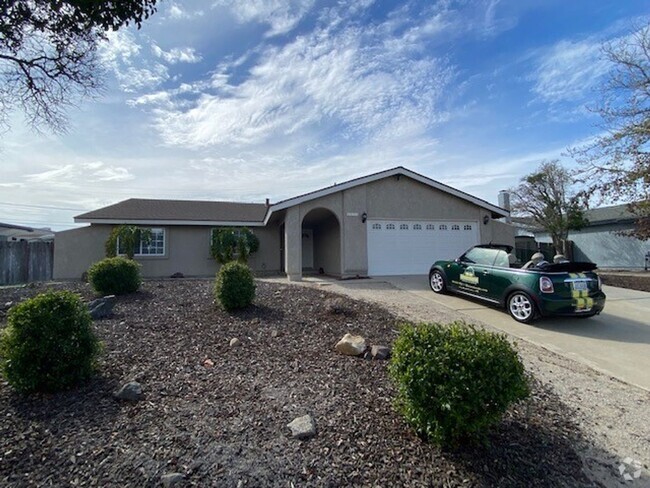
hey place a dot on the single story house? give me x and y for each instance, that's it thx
(601, 242)
(388, 223)
(13, 232)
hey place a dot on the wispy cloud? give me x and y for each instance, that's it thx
(345, 78)
(121, 54)
(281, 16)
(68, 175)
(569, 69)
(177, 54)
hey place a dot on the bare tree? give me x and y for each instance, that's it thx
(48, 53)
(616, 165)
(546, 197)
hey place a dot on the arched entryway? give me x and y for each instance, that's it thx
(321, 243)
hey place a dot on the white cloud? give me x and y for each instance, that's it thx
(569, 70)
(70, 174)
(177, 54)
(282, 16)
(176, 12)
(121, 54)
(345, 79)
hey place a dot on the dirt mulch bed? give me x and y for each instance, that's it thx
(226, 425)
(633, 281)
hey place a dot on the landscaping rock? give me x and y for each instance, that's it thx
(178, 274)
(172, 479)
(337, 306)
(380, 352)
(234, 342)
(131, 391)
(351, 345)
(102, 307)
(303, 427)
(7, 305)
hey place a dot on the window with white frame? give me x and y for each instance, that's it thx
(390, 226)
(404, 227)
(417, 227)
(376, 226)
(431, 227)
(154, 246)
(443, 227)
(467, 227)
(455, 227)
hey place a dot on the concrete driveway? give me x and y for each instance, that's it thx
(616, 342)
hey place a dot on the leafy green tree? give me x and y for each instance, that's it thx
(230, 244)
(616, 164)
(546, 197)
(48, 53)
(128, 237)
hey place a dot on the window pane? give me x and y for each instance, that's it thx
(156, 245)
(481, 255)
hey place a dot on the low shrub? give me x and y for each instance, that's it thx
(234, 287)
(115, 276)
(48, 344)
(454, 382)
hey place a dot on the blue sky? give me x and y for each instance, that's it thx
(247, 100)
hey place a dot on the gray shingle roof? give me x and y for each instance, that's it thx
(188, 210)
(615, 213)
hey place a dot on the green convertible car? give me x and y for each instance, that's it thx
(488, 272)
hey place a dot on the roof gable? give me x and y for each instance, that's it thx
(400, 170)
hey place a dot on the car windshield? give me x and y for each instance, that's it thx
(481, 255)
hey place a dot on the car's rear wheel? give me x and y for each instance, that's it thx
(437, 281)
(521, 307)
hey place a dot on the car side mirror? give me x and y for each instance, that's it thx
(457, 260)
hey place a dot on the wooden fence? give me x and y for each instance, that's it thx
(24, 262)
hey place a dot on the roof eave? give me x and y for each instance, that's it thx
(400, 170)
(162, 222)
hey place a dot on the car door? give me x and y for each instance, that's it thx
(474, 269)
(499, 276)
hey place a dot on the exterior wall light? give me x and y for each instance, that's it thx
(364, 217)
(486, 219)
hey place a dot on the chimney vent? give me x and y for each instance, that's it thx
(504, 202)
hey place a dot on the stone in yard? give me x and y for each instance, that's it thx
(303, 427)
(234, 342)
(172, 479)
(274, 333)
(380, 352)
(178, 274)
(102, 307)
(7, 305)
(351, 345)
(131, 391)
(208, 363)
(337, 306)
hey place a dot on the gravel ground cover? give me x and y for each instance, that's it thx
(223, 422)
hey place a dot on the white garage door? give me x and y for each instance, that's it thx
(410, 247)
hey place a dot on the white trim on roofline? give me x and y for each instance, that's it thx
(400, 170)
(205, 223)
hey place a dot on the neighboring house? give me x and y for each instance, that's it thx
(388, 223)
(600, 241)
(13, 232)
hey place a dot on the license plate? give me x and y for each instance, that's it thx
(579, 285)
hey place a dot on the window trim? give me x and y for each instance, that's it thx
(139, 254)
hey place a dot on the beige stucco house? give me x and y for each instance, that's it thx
(388, 223)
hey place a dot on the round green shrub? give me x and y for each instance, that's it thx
(234, 287)
(48, 344)
(454, 382)
(115, 276)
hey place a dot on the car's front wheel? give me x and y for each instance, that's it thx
(437, 281)
(521, 307)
